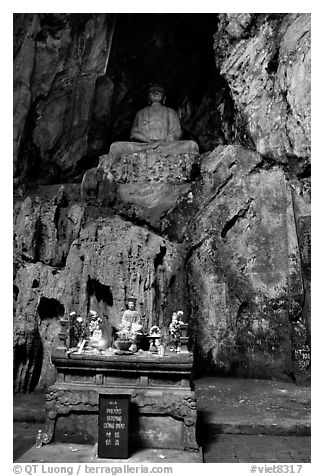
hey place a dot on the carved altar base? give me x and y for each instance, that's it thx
(163, 404)
(174, 162)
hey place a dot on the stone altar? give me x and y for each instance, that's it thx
(163, 403)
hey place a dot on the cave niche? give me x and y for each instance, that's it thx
(100, 297)
(175, 50)
(49, 308)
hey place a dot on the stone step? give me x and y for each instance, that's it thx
(72, 453)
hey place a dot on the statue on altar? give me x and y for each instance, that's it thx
(155, 127)
(175, 331)
(131, 318)
(95, 329)
(130, 326)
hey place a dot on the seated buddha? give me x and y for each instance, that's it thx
(155, 127)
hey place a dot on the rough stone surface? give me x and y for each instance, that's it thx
(245, 268)
(243, 264)
(150, 202)
(259, 449)
(266, 62)
(238, 263)
(98, 187)
(26, 28)
(65, 54)
(253, 407)
(105, 252)
(64, 453)
(151, 182)
(45, 229)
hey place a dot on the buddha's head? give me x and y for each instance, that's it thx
(156, 94)
(93, 314)
(131, 304)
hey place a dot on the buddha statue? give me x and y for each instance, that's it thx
(156, 122)
(131, 319)
(155, 127)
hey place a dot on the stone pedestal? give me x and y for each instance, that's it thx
(155, 164)
(150, 181)
(163, 403)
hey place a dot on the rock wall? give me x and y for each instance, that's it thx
(107, 260)
(224, 235)
(56, 69)
(245, 267)
(266, 61)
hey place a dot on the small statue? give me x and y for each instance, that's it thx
(180, 316)
(175, 332)
(78, 329)
(95, 328)
(130, 325)
(131, 318)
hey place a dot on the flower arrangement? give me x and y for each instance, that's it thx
(180, 316)
(86, 332)
(126, 338)
(174, 329)
(95, 325)
(155, 331)
(125, 335)
(78, 329)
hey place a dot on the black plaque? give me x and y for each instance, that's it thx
(113, 434)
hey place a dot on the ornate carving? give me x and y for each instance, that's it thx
(47, 436)
(150, 165)
(180, 407)
(51, 414)
(62, 401)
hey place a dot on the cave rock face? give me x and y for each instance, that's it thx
(223, 236)
(151, 182)
(266, 61)
(108, 260)
(231, 262)
(45, 229)
(56, 69)
(244, 270)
